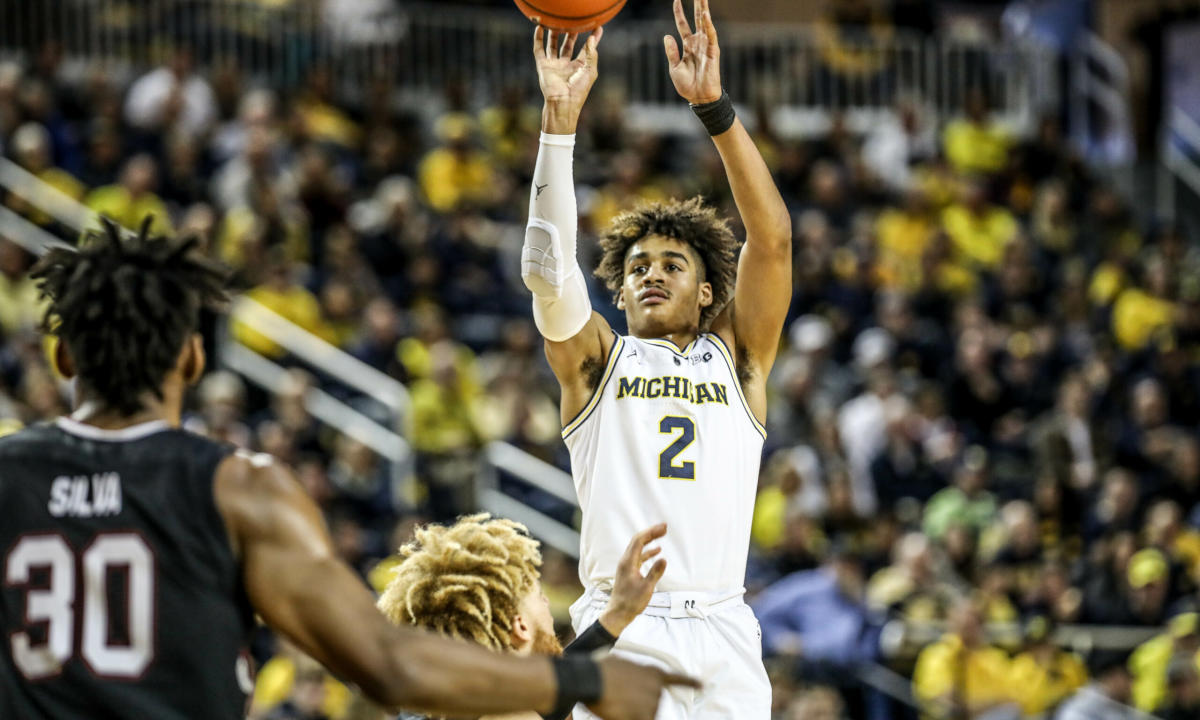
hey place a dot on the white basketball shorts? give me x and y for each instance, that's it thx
(713, 637)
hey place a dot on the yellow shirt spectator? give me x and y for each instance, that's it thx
(853, 56)
(450, 179)
(31, 148)
(128, 210)
(240, 226)
(1137, 315)
(418, 361)
(383, 571)
(1186, 550)
(20, 307)
(446, 397)
(973, 147)
(979, 237)
(611, 201)
(903, 239)
(456, 174)
(947, 669)
(56, 178)
(893, 587)
(1149, 662)
(1108, 279)
(509, 132)
(936, 182)
(325, 122)
(1041, 686)
(294, 303)
(64, 182)
(274, 684)
(770, 511)
(442, 417)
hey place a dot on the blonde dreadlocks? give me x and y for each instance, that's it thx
(465, 580)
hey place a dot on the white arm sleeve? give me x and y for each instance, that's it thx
(548, 265)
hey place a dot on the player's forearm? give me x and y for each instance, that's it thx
(447, 676)
(768, 223)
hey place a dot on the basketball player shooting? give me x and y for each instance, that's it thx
(665, 424)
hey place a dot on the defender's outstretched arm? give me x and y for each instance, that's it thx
(296, 582)
(576, 337)
(764, 285)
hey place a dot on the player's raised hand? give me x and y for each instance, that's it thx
(632, 590)
(565, 78)
(696, 71)
(632, 691)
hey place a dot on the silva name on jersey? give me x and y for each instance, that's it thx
(81, 496)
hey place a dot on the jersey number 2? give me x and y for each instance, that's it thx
(55, 605)
(667, 468)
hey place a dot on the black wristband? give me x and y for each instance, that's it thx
(717, 116)
(596, 637)
(579, 681)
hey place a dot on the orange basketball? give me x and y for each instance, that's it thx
(571, 15)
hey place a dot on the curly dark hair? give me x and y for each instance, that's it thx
(125, 306)
(691, 222)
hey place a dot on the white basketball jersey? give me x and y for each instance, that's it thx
(667, 436)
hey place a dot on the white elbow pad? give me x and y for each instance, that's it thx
(543, 266)
(562, 319)
(548, 265)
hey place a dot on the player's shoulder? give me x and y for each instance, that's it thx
(193, 440)
(27, 439)
(249, 466)
(181, 447)
(249, 475)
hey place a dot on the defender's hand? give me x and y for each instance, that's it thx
(632, 691)
(565, 81)
(696, 73)
(632, 590)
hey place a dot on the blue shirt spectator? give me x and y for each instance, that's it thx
(819, 615)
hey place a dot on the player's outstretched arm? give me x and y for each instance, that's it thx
(576, 337)
(630, 595)
(764, 286)
(298, 585)
(631, 589)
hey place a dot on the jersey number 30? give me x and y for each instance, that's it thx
(56, 605)
(667, 467)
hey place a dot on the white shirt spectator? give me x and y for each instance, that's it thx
(895, 143)
(146, 106)
(862, 426)
(256, 110)
(812, 499)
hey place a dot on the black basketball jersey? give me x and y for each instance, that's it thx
(121, 596)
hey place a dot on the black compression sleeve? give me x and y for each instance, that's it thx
(579, 681)
(590, 640)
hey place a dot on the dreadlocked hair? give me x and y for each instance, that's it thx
(465, 580)
(691, 222)
(124, 306)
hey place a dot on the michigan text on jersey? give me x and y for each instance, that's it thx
(671, 386)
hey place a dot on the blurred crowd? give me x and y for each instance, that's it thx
(984, 421)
